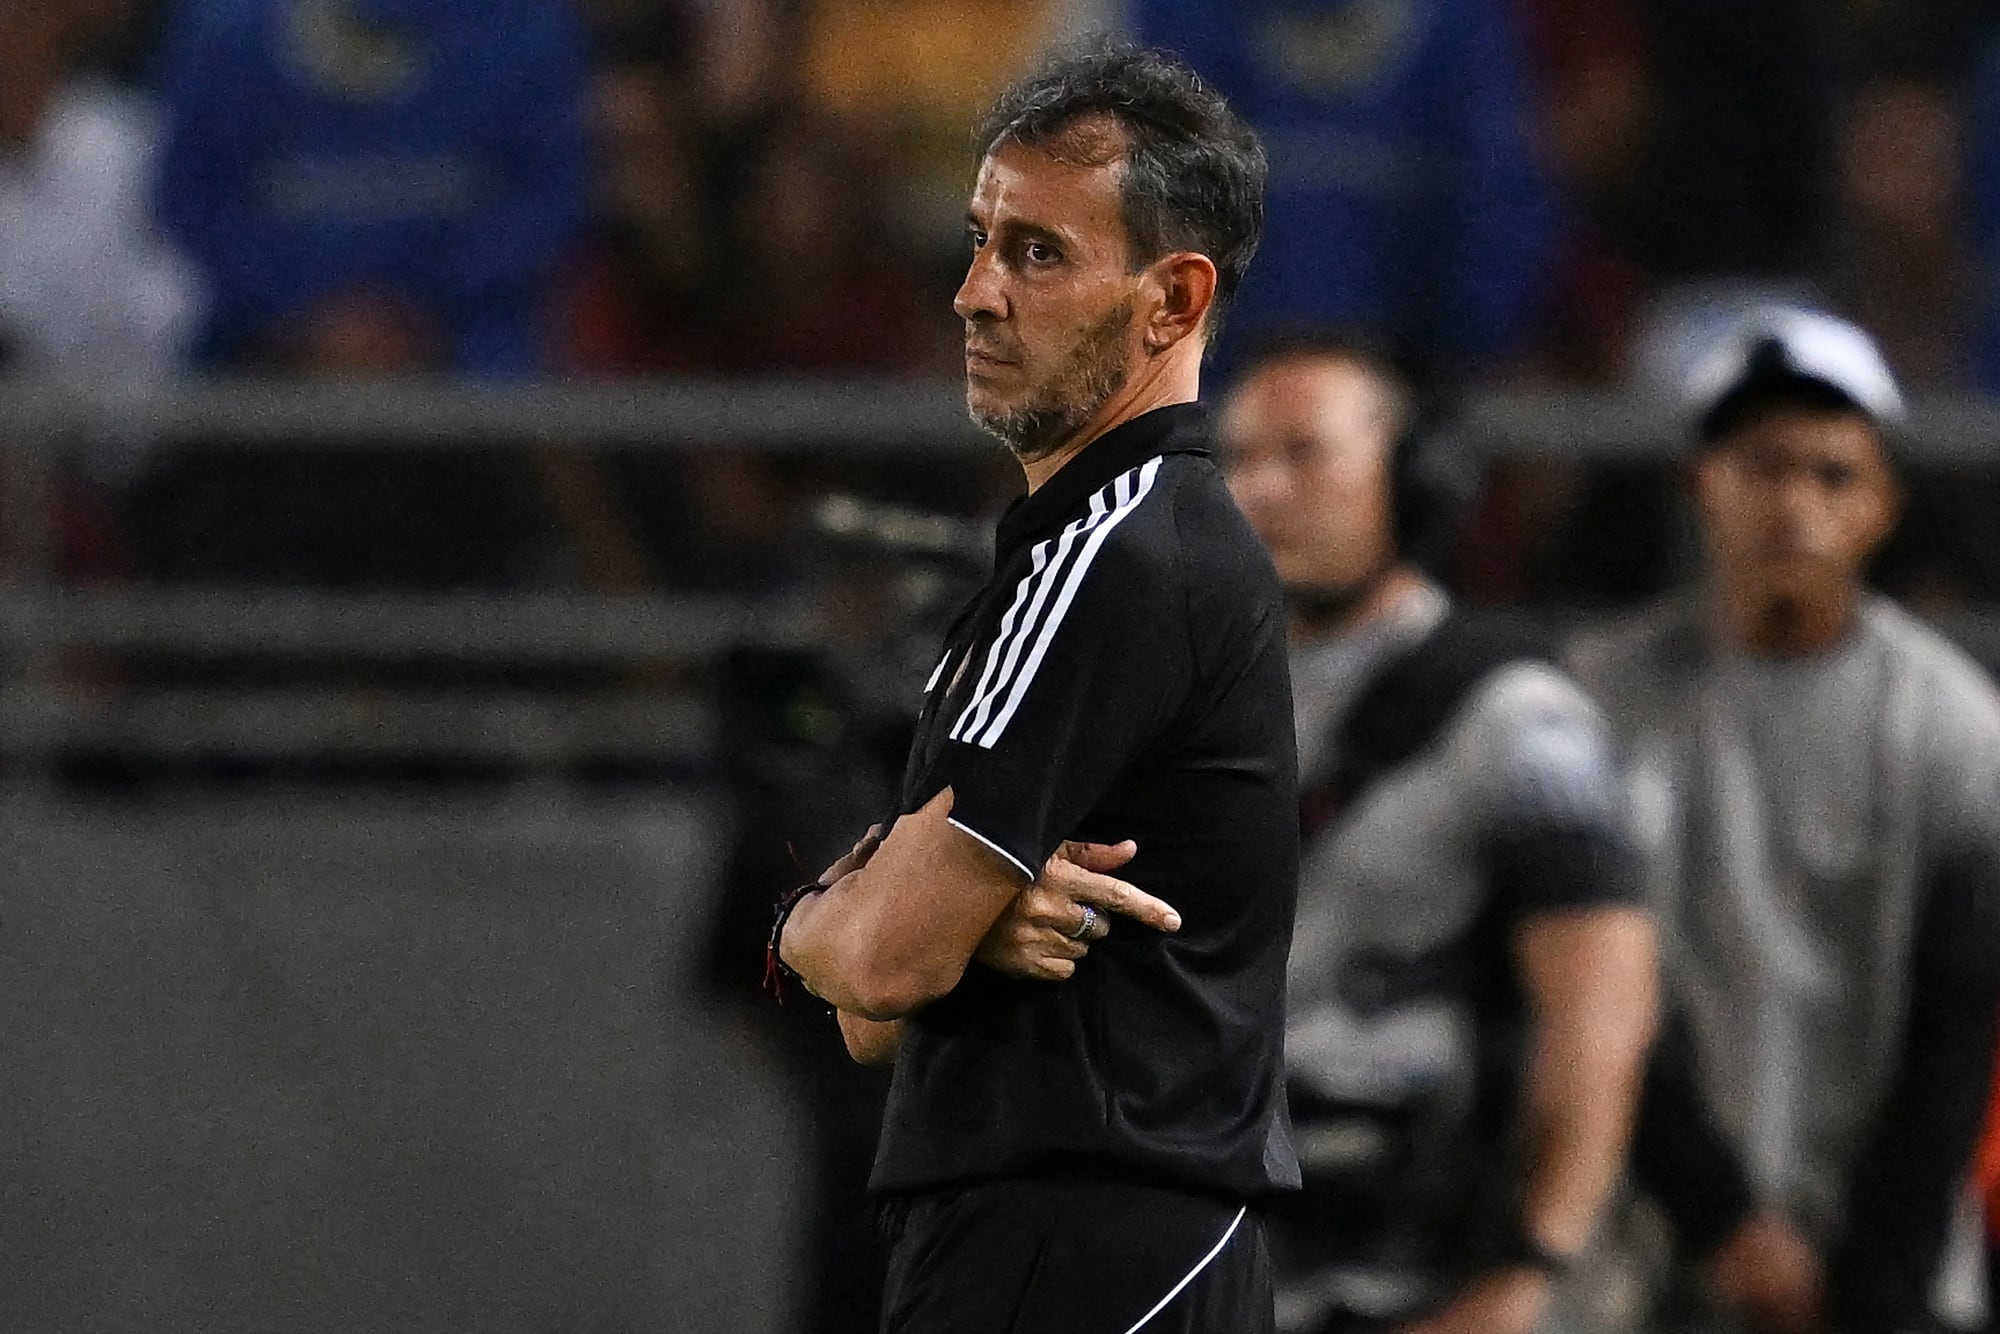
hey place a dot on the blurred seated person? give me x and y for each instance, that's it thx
(375, 185)
(1816, 785)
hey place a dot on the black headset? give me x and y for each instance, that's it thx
(1433, 477)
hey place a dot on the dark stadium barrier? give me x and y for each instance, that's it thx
(369, 1065)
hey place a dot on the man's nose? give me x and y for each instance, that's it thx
(1802, 506)
(1259, 486)
(981, 297)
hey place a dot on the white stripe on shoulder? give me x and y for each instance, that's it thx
(1038, 561)
(1017, 627)
(937, 672)
(1175, 1291)
(1130, 489)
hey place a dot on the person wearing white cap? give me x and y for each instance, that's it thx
(1814, 776)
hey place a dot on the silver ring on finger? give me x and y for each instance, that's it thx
(1087, 928)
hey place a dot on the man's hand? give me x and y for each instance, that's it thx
(1038, 936)
(1507, 1301)
(855, 857)
(1768, 1271)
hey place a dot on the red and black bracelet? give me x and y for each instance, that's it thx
(776, 971)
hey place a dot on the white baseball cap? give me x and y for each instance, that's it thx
(1780, 343)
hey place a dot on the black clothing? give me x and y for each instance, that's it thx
(1902, 1193)
(1123, 675)
(1051, 1256)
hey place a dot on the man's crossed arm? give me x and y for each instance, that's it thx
(901, 917)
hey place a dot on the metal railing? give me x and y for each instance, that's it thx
(45, 625)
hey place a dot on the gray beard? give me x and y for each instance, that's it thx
(1090, 374)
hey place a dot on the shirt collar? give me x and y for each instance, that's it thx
(1179, 428)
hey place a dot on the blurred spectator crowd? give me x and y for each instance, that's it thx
(1525, 188)
(1542, 192)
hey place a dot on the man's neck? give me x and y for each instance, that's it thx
(1381, 597)
(1779, 627)
(1173, 376)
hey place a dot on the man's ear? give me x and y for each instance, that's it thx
(1185, 287)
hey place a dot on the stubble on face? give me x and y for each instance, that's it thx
(1090, 372)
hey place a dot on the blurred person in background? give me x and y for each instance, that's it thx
(1555, 528)
(736, 219)
(1593, 97)
(640, 297)
(1813, 774)
(90, 291)
(1897, 260)
(1472, 983)
(676, 92)
(818, 250)
(88, 286)
(375, 185)
(1407, 189)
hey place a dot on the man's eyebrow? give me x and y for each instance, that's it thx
(1014, 227)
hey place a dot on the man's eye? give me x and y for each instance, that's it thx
(1040, 252)
(977, 239)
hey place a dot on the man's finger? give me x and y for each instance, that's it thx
(857, 857)
(1101, 857)
(1127, 900)
(1066, 946)
(1089, 925)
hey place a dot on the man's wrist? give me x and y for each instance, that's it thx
(777, 973)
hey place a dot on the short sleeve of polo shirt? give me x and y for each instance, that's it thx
(1083, 673)
(1555, 835)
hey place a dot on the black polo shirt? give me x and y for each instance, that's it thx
(1123, 675)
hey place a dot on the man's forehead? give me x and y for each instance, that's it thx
(1315, 383)
(1096, 140)
(1092, 147)
(1020, 187)
(1808, 439)
(1317, 398)
(1808, 429)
